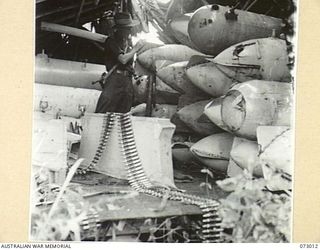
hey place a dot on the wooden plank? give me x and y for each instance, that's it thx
(139, 207)
(130, 205)
(149, 96)
(52, 27)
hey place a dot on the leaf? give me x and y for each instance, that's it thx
(207, 171)
(202, 184)
(229, 184)
(204, 170)
(210, 173)
(206, 184)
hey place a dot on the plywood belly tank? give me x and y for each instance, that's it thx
(209, 78)
(175, 76)
(60, 100)
(214, 151)
(67, 73)
(257, 103)
(172, 52)
(214, 28)
(264, 59)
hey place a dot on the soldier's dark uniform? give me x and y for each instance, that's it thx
(117, 95)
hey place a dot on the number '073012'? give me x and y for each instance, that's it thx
(304, 245)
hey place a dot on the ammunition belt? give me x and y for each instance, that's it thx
(211, 222)
(90, 225)
(107, 125)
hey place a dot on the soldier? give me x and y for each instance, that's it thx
(117, 95)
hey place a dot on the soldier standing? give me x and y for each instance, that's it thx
(117, 95)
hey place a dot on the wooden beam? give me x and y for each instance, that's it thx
(60, 10)
(79, 12)
(52, 27)
(251, 5)
(245, 6)
(149, 96)
(67, 21)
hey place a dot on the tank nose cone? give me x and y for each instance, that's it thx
(175, 76)
(213, 112)
(233, 110)
(214, 150)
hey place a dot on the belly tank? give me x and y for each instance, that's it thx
(67, 73)
(257, 103)
(214, 28)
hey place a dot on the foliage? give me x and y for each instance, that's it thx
(173, 230)
(64, 222)
(252, 213)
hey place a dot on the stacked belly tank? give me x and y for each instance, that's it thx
(210, 130)
(231, 70)
(223, 83)
(214, 28)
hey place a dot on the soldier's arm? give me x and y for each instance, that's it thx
(125, 58)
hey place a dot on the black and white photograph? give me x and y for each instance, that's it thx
(163, 121)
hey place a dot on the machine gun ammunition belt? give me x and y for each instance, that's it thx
(211, 222)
